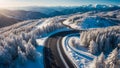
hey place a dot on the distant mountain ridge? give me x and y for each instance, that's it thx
(22, 14)
(26, 13)
(70, 9)
(9, 16)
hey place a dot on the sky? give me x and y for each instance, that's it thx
(21, 3)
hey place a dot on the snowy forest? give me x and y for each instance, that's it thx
(19, 44)
(103, 41)
(86, 36)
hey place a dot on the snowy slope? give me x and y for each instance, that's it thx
(93, 20)
(21, 36)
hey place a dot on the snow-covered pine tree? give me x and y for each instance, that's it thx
(101, 61)
(94, 63)
(83, 39)
(30, 51)
(33, 40)
(89, 38)
(93, 47)
(25, 36)
(102, 40)
(112, 60)
(98, 62)
(21, 56)
(22, 45)
(98, 42)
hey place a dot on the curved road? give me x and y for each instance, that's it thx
(54, 56)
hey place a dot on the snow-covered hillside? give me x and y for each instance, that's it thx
(93, 20)
(34, 12)
(21, 44)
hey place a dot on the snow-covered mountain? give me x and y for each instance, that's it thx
(56, 11)
(45, 10)
(93, 20)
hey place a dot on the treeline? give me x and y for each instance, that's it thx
(101, 40)
(49, 26)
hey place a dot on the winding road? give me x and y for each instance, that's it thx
(54, 56)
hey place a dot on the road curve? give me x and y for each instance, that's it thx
(52, 56)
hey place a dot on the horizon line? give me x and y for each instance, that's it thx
(56, 5)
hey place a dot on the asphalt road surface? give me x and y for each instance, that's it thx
(54, 56)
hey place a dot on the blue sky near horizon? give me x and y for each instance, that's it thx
(18, 3)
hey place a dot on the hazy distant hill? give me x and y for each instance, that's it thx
(23, 15)
(69, 10)
(6, 21)
(26, 13)
(9, 17)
